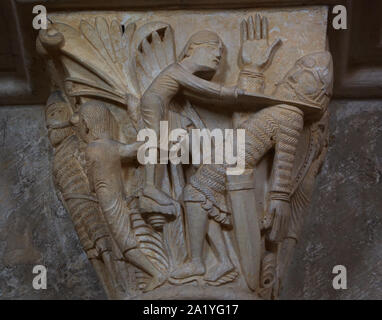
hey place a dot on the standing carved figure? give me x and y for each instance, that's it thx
(74, 190)
(98, 128)
(203, 197)
(198, 61)
(275, 128)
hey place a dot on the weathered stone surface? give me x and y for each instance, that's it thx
(152, 228)
(34, 226)
(133, 261)
(344, 225)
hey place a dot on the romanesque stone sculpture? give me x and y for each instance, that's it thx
(179, 230)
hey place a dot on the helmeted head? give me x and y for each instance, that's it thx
(57, 116)
(204, 49)
(95, 121)
(309, 80)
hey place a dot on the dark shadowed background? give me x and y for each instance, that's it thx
(344, 225)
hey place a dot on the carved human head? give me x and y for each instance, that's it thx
(309, 80)
(57, 115)
(95, 121)
(204, 49)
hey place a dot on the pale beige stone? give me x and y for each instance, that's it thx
(177, 231)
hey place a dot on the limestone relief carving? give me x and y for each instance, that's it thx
(187, 230)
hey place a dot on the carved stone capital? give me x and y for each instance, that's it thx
(175, 229)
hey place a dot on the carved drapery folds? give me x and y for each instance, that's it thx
(177, 230)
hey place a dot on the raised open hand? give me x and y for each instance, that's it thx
(256, 54)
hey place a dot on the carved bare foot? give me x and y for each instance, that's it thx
(155, 282)
(189, 269)
(218, 270)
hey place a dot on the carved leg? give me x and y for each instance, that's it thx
(138, 259)
(197, 222)
(154, 199)
(114, 275)
(284, 256)
(102, 273)
(216, 240)
(150, 190)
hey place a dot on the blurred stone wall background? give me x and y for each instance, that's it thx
(34, 226)
(344, 225)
